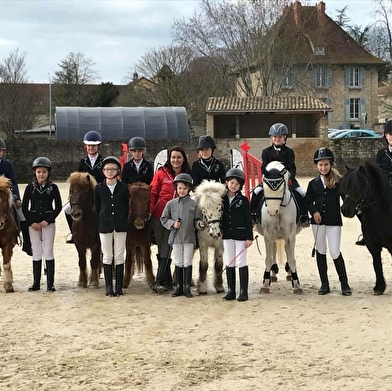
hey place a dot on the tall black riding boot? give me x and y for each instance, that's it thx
(50, 276)
(37, 269)
(341, 270)
(119, 279)
(187, 281)
(323, 269)
(167, 276)
(179, 271)
(70, 222)
(244, 282)
(108, 273)
(26, 247)
(230, 275)
(255, 206)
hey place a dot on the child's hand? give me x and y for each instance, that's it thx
(177, 224)
(202, 224)
(36, 227)
(317, 217)
(43, 224)
(248, 243)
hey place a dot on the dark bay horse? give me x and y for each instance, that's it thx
(138, 242)
(9, 231)
(365, 190)
(85, 225)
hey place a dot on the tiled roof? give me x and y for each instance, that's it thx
(261, 104)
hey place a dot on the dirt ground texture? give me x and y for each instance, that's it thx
(79, 339)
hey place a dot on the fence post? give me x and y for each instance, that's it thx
(245, 147)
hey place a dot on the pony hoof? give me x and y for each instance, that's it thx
(158, 289)
(264, 290)
(82, 285)
(378, 293)
(288, 278)
(219, 289)
(274, 279)
(298, 291)
(202, 293)
(9, 289)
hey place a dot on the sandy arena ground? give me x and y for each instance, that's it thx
(78, 339)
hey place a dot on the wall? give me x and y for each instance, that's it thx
(66, 155)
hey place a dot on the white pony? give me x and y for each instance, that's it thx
(209, 198)
(278, 221)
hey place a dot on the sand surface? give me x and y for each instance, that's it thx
(78, 339)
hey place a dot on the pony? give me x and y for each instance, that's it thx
(278, 221)
(365, 190)
(85, 225)
(9, 231)
(139, 233)
(209, 198)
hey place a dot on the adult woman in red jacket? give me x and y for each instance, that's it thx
(162, 191)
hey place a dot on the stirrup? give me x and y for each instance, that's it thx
(360, 242)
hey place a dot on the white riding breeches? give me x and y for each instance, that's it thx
(113, 246)
(330, 232)
(42, 242)
(232, 249)
(183, 254)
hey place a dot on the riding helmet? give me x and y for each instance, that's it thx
(92, 138)
(387, 128)
(278, 129)
(136, 143)
(3, 145)
(184, 178)
(237, 174)
(111, 159)
(323, 154)
(42, 162)
(206, 142)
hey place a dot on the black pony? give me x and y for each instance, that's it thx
(366, 190)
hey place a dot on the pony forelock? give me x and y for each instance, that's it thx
(209, 194)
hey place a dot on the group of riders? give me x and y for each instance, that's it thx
(41, 204)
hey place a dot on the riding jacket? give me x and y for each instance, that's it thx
(384, 161)
(130, 174)
(236, 218)
(37, 204)
(112, 209)
(325, 201)
(96, 171)
(211, 170)
(7, 169)
(186, 209)
(283, 154)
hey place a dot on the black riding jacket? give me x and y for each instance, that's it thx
(384, 161)
(214, 171)
(96, 171)
(131, 175)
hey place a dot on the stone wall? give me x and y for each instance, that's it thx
(65, 155)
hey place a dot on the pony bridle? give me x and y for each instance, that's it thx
(274, 184)
(362, 204)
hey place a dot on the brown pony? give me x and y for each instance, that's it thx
(85, 225)
(9, 231)
(138, 242)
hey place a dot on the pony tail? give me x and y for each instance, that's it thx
(332, 178)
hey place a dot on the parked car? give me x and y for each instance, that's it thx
(332, 133)
(357, 133)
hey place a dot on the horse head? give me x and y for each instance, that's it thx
(356, 187)
(139, 204)
(81, 193)
(275, 182)
(209, 198)
(5, 200)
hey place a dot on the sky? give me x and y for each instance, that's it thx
(114, 34)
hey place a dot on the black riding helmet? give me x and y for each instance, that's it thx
(206, 142)
(323, 154)
(136, 143)
(184, 178)
(388, 127)
(42, 162)
(3, 145)
(237, 174)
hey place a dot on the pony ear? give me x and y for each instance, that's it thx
(88, 177)
(362, 169)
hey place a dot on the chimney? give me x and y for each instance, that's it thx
(321, 13)
(297, 14)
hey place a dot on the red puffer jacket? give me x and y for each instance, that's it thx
(162, 191)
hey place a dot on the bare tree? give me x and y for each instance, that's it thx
(76, 71)
(17, 99)
(384, 19)
(244, 40)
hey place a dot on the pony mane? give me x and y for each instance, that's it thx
(82, 178)
(209, 194)
(5, 186)
(139, 190)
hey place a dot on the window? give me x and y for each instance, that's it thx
(289, 78)
(323, 77)
(354, 77)
(354, 108)
(319, 50)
